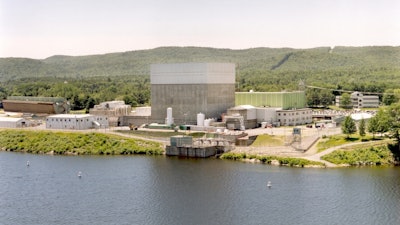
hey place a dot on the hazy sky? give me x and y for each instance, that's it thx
(42, 28)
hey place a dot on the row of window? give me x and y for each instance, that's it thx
(293, 120)
(297, 113)
(65, 120)
(77, 120)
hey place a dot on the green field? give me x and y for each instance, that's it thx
(75, 143)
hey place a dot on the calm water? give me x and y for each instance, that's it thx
(160, 190)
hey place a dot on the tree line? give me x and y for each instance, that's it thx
(84, 93)
(386, 121)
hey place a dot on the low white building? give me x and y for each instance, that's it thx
(13, 122)
(254, 116)
(294, 117)
(359, 100)
(76, 121)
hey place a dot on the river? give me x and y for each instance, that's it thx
(170, 190)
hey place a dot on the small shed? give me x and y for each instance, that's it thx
(12, 122)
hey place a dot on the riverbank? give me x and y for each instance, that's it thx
(75, 143)
(115, 142)
(375, 152)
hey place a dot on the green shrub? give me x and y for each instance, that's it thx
(268, 159)
(376, 155)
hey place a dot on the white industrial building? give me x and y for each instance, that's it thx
(359, 100)
(76, 121)
(252, 117)
(294, 117)
(112, 110)
(12, 122)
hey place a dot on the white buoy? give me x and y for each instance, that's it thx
(79, 174)
(27, 163)
(269, 185)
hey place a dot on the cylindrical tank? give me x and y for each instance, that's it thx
(200, 119)
(207, 122)
(170, 120)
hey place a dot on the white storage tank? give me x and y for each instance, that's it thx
(200, 119)
(207, 122)
(169, 120)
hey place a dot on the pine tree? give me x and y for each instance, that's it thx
(349, 126)
(361, 128)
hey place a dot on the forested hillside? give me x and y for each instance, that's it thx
(373, 69)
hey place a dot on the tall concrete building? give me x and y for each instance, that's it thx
(191, 88)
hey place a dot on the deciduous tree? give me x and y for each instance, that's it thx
(345, 101)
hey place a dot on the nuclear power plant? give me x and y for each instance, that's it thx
(203, 94)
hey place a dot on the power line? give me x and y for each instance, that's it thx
(347, 91)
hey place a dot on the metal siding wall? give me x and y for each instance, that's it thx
(210, 99)
(285, 100)
(193, 73)
(8, 124)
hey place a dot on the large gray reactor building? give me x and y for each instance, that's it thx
(190, 89)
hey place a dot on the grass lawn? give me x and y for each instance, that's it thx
(266, 140)
(336, 140)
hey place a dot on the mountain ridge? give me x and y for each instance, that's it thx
(262, 59)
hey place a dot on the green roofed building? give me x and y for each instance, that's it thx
(284, 100)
